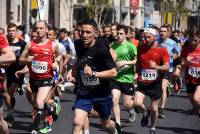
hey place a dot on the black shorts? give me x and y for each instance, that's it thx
(125, 88)
(167, 75)
(35, 84)
(153, 90)
(191, 88)
(11, 78)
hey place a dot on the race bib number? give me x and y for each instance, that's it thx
(194, 71)
(89, 81)
(149, 74)
(39, 67)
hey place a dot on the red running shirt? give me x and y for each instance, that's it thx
(3, 44)
(41, 65)
(159, 55)
(192, 70)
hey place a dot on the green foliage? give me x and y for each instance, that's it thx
(97, 9)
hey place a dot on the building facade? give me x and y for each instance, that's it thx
(66, 13)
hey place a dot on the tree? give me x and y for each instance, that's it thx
(98, 10)
(178, 10)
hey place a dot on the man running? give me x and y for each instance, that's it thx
(123, 83)
(39, 56)
(13, 83)
(150, 57)
(93, 68)
(173, 50)
(190, 60)
(7, 56)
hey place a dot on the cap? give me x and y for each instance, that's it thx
(151, 31)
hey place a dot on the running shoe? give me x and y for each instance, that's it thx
(57, 100)
(47, 128)
(161, 113)
(144, 121)
(34, 132)
(132, 115)
(10, 120)
(152, 131)
(55, 111)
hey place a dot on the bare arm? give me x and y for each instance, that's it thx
(25, 58)
(58, 56)
(7, 56)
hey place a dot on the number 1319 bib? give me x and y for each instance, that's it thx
(149, 74)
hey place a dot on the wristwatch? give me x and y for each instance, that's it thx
(93, 73)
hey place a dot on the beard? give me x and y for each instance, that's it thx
(149, 44)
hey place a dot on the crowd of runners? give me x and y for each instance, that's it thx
(104, 64)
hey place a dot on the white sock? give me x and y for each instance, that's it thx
(86, 131)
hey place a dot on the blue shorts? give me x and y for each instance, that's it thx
(103, 105)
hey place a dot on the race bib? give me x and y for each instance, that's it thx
(39, 66)
(149, 74)
(194, 71)
(89, 81)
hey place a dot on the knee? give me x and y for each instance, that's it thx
(105, 124)
(78, 123)
(137, 103)
(40, 104)
(154, 108)
(127, 104)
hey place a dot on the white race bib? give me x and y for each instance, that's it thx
(149, 74)
(194, 71)
(89, 81)
(39, 66)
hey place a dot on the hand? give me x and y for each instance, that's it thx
(136, 76)
(152, 64)
(69, 77)
(29, 58)
(176, 73)
(18, 74)
(120, 63)
(55, 66)
(189, 59)
(87, 70)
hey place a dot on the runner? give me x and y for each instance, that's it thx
(150, 57)
(13, 84)
(190, 61)
(173, 50)
(94, 66)
(123, 83)
(39, 57)
(7, 56)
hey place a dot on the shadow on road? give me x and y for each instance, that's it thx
(23, 124)
(180, 130)
(101, 129)
(186, 112)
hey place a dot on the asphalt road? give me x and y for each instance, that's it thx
(178, 120)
